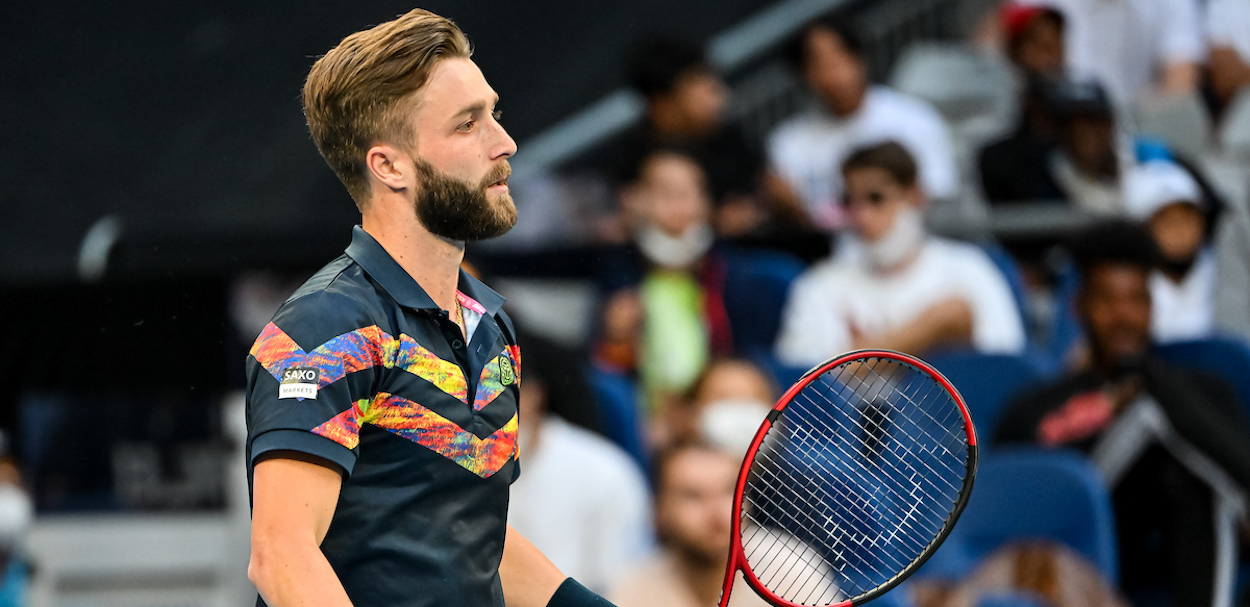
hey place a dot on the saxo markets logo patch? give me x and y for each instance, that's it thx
(299, 382)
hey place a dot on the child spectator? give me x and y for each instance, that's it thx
(664, 316)
(1182, 289)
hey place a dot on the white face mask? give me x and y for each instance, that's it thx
(902, 240)
(731, 424)
(676, 252)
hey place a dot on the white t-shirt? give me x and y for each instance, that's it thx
(1123, 43)
(583, 502)
(1185, 310)
(808, 150)
(836, 295)
(1228, 24)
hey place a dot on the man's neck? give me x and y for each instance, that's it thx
(850, 108)
(431, 260)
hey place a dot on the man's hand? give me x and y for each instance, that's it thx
(529, 579)
(292, 504)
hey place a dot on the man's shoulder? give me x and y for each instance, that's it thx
(959, 252)
(800, 130)
(964, 262)
(337, 299)
(832, 275)
(888, 108)
(508, 326)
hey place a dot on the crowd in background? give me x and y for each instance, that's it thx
(724, 264)
(838, 204)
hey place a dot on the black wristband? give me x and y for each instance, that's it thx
(572, 594)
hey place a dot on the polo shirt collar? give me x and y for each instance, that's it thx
(383, 268)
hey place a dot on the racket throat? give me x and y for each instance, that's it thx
(731, 571)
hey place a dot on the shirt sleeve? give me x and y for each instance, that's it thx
(311, 377)
(812, 330)
(997, 327)
(931, 141)
(1220, 23)
(623, 527)
(1180, 38)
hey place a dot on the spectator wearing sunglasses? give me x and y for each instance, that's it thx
(893, 285)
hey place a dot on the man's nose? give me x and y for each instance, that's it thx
(504, 146)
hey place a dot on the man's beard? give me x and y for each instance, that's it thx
(458, 210)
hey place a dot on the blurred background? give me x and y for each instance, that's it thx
(1050, 200)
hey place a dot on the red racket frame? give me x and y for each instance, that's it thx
(737, 555)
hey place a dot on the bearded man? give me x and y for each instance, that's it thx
(382, 398)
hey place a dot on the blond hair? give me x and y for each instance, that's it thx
(360, 93)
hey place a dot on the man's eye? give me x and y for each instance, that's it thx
(468, 126)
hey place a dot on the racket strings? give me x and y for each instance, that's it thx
(853, 482)
(838, 497)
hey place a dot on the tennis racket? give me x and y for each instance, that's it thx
(854, 479)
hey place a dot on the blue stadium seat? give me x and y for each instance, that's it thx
(757, 284)
(1032, 494)
(617, 396)
(987, 382)
(1226, 356)
(1065, 330)
(1010, 270)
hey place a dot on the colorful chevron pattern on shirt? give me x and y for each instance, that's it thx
(356, 351)
(481, 456)
(497, 375)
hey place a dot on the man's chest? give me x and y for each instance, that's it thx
(443, 395)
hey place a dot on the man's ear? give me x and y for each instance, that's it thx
(391, 167)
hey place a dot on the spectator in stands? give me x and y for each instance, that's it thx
(694, 490)
(582, 500)
(664, 316)
(1089, 160)
(1135, 48)
(895, 286)
(1228, 34)
(1035, 38)
(1169, 442)
(1014, 169)
(724, 406)
(1169, 201)
(808, 149)
(685, 101)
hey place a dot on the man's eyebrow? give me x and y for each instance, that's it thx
(476, 108)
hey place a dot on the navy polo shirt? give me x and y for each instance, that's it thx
(361, 368)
